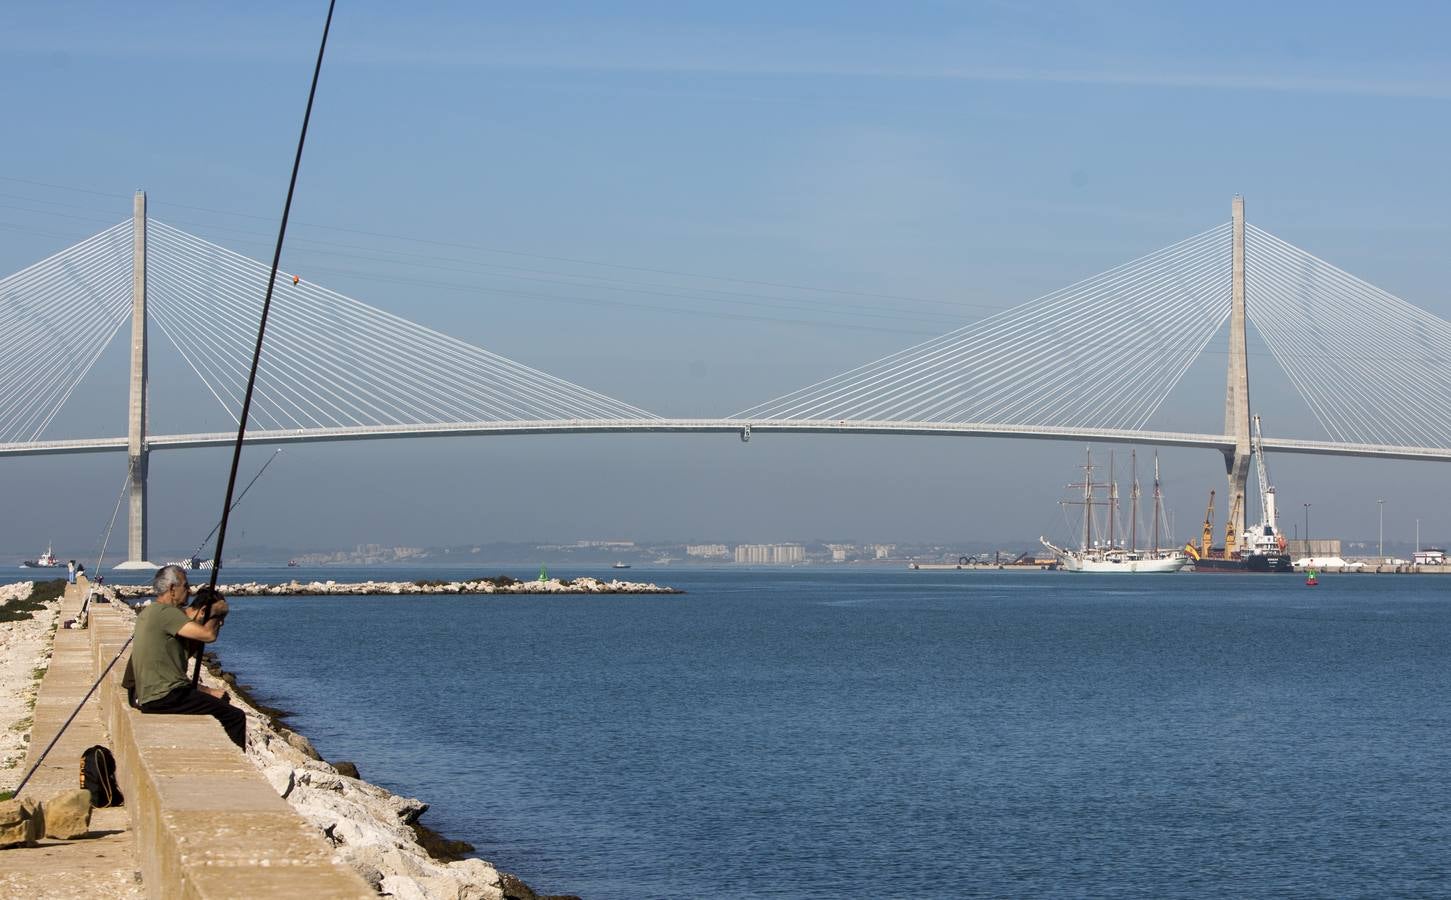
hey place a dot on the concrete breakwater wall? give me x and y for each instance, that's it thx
(500, 585)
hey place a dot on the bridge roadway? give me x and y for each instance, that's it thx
(742, 427)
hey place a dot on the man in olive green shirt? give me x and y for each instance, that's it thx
(159, 655)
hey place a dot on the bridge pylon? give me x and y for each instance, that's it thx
(136, 451)
(1236, 396)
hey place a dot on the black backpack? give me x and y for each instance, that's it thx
(98, 775)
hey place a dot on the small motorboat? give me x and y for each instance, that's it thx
(47, 560)
(620, 565)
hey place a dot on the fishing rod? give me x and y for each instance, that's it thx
(221, 529)
(206, 609)
(235, 504)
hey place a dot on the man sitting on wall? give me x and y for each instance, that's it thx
(159, 654)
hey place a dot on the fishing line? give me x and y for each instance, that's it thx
(235, 504)
(261, 334)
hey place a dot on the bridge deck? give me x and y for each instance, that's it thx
(1219, 442)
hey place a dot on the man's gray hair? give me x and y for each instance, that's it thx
(166, 578)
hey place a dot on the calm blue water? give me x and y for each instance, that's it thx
(900, 734)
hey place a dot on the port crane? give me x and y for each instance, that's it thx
(1230, 538)
(1267, 490)
(1207, 538)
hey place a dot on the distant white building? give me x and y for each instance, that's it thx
(1431, 556)
(770, 554)
(708, 551)
(885, 551)
(839, 552)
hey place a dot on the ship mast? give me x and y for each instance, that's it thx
(1134, 500)
(1087, 485)
(1089, 500)
(1112, 499)
(1158, 500)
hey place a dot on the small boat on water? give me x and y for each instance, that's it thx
(620, 565)
(1111, 556)
(47, 560)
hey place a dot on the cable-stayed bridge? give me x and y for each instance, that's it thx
(1093, 361)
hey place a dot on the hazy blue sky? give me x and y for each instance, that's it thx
(908, 167)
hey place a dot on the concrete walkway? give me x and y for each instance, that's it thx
(103, 864)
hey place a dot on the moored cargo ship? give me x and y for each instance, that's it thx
(1259, 548)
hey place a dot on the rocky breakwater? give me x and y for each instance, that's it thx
(500, 585)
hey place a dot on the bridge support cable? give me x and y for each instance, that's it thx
(1372, 368)
(57, 316)
(1102, 353)
(333, 362)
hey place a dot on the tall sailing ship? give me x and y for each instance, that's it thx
(1111, 556)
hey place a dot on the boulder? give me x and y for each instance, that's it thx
(21, 823)
(475, 874)
(68, 814)
(301, 744)
(405, 888)
(322, 780)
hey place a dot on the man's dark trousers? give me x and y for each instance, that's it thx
(188, 701)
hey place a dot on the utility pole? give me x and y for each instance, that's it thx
(1307, 531)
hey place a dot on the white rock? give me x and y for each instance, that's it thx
(404, 888)
(475, 871)
(281, 779)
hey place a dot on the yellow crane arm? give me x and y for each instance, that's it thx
(1230, 538)
(1208, 537)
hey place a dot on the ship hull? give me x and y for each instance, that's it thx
(1254, 562)
(1071, 563)
(1116, 562)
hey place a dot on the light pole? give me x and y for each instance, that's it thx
(1307, 530)
(1381, 505)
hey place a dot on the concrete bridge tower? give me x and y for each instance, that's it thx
(1236, 396)
(136, 439)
